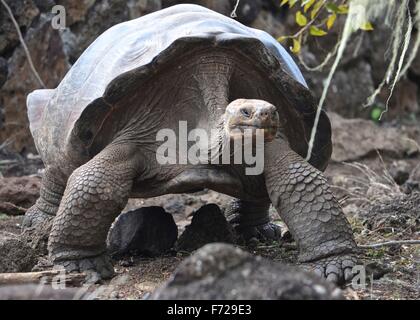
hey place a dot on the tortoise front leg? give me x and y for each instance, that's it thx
(95, 194)
(302, 197)
(251, 220)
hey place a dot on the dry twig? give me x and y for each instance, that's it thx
(44, 277)
(388, 243)
(25, 48)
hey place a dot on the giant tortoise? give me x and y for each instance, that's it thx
(97, 135)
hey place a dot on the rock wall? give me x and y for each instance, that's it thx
(53, 52)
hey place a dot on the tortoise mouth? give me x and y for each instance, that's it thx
(237, 131)
(250, 126)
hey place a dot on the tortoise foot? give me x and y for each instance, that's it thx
(265, 232)
(35, 217)
(96, 268)
(337, 269)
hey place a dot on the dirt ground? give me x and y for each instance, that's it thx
(377, 209)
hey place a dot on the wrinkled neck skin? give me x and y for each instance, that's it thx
(219, 141)
(212, 77)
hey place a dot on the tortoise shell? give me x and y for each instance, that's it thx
(64, 121)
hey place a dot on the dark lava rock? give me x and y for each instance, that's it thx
(149, 230)
(45, 5)
(377, 270)
(354, 139)
(348, 89)
(46, 48)
(87, 19)
(24, 12)
(247, 10)
(400, 171)
(223, 7)
(411, 186)
(19, 191)
(18, 165)
(16, 255)
(221, 271)
(1, 116)
(402, 214)
(4, 70)
(208, 225)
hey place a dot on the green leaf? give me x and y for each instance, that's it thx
(296, 45)
(330, 21)
(301, 19)
(317, 32)
(367, 26)
(282, 38)
(284, 2)
(307, 5)
(332, 7)
(316, 8)
(375, 113)
(292, 3)
(343, 9)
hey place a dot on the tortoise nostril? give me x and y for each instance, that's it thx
(265, 114)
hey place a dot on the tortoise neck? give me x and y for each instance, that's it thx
(213, 74)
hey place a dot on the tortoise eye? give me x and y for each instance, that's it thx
(245, 112)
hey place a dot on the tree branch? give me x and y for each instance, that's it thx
(25, 48)
(388, 243)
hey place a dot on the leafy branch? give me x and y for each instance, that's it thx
(317, 17)
(311, 18)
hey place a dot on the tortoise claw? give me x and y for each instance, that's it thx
(337, 269)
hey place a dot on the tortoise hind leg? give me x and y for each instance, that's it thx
(95, 194)
(46, 207)
(251, 220)
(38, 219)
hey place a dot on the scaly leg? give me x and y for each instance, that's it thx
(302, 197)
(37, 222)
(95, 194)
(46, 207)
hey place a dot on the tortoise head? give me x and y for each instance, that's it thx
(249, 115)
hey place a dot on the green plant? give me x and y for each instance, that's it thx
(316, 17)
